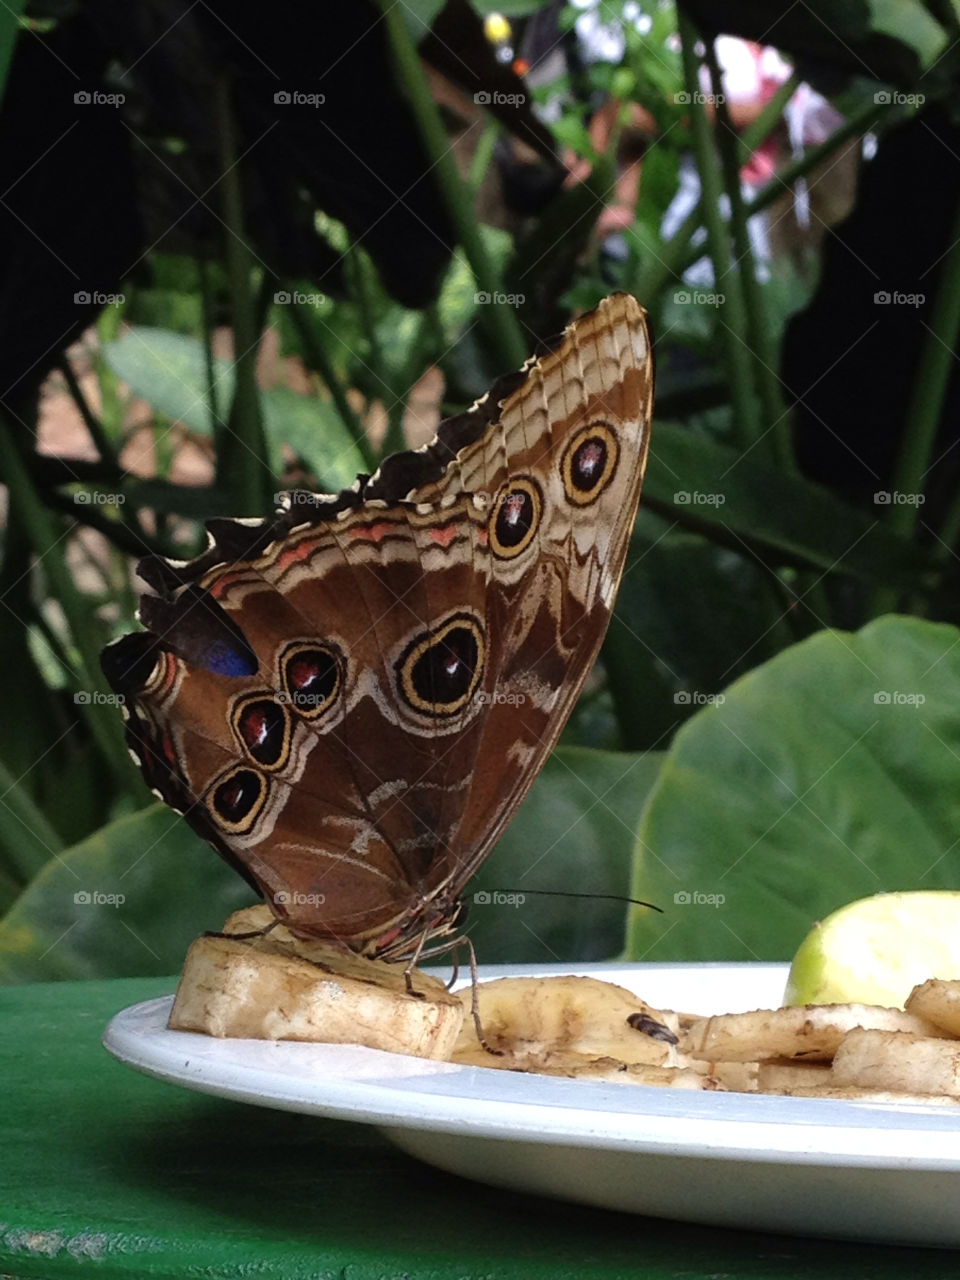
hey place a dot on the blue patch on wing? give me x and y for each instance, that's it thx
(225, 660)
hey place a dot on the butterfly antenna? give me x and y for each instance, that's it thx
(572, 893)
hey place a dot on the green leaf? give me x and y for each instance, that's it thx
(573, 834)
(724, 491)
(168, 370)
(830, 773)
(909, 22)
(173, 887)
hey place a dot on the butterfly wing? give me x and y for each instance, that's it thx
(349, 701)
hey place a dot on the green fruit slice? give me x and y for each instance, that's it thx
(876, 950)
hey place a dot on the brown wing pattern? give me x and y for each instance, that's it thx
(349, 701)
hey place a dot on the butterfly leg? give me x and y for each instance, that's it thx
(475, 1000)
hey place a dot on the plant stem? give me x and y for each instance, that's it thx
(929, 389)
(737, 357)
(678, 254)
(104, 721)
(499, 320)
(242, 457)
(759, 333)
(758, 130)
(209, 361)
(321, 364)
(483, 155)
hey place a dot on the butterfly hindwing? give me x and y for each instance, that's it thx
(350, 701)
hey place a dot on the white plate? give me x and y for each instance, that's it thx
(808, 1166)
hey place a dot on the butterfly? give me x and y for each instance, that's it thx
(350, 699)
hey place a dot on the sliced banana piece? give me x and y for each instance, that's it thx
(804, 1031)
(278, 987)
(530, 1019)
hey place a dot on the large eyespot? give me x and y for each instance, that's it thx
(589, 463)
(262, 727)
(515, 518)
(439, 671)
(237, 799)
(312, 675)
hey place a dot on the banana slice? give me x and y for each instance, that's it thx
(537, 1024)
(278, 987)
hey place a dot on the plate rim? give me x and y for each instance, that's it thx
(700, 1125)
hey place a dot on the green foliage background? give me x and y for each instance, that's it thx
(759, 727)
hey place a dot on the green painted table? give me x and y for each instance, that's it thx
(105, 1172)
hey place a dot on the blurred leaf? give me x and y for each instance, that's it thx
(172, 884)
(659, 655)
(574, 833)
(169, 371)
(27, 841)
(803, 791)
(909, 22)
(696, 480)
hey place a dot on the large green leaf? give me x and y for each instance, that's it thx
(172, 885)
(169, 371)
(574, 834)
(750, 504)
(829, 773)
